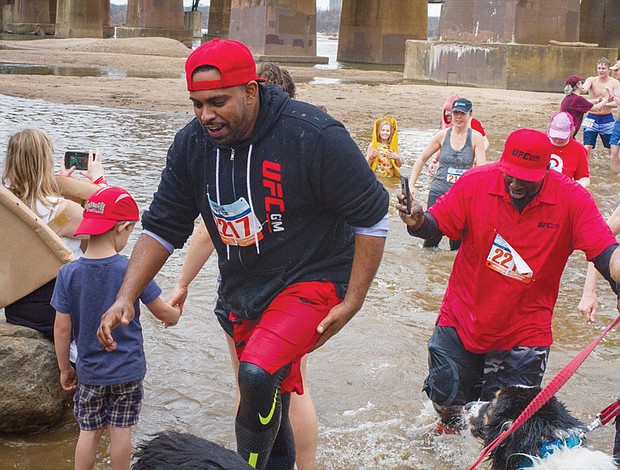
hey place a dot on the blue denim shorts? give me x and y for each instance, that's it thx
(98, 406)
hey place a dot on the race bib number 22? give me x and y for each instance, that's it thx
(505, 260)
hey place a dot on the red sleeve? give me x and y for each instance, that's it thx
(475, 124)
(591, 234)
(582, 170)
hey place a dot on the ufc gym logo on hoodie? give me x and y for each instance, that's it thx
(274, 204)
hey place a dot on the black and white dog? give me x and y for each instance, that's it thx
(176, 451)
(550, 439)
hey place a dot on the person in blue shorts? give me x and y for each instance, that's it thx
(109, 385)
(601, 122)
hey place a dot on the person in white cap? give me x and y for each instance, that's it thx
(615, 70)
(568, 156)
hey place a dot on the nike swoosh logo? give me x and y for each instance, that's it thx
(265, 421)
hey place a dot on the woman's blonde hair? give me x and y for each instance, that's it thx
(29, 166)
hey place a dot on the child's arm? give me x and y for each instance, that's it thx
(370, 153)
(62, 341)
(165, 313)
(397, 160)
(200, 249)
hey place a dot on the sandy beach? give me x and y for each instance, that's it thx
(358, 97)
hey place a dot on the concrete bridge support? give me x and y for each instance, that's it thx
(219, 19)
(147, 18)
(32, 17)
(510, 21)
(279, 30)
(375, 31)
(506, 44)
(83, 19)
(600, 22)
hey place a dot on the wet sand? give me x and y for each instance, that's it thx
(357, 99)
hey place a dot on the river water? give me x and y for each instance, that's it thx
(366, 382)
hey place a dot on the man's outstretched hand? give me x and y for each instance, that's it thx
(120, 313)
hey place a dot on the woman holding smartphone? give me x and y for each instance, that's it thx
(28, 174)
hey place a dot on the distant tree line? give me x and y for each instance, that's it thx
(328, 21)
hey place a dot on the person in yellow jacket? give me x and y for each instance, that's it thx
(382, 153)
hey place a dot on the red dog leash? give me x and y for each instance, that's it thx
(606, 415)
(546, 393)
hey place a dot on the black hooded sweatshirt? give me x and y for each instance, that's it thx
(299, 184)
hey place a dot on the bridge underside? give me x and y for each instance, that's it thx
(371, 31)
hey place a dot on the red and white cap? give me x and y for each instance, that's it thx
(105, 208)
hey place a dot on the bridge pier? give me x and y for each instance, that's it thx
(507, 44)
(219, 19)
(600, 21)
(374, 31)
(31, 17)
(83, 19)
(147, 18)
(278, 30)
(510, 21)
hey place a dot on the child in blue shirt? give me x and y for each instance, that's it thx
(109, 384)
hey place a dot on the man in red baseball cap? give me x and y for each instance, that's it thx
(519, 222)
(296, 216)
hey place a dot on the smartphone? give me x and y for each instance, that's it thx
(77, 159)
(404, 186)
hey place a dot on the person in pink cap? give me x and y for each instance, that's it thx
(108, 386)
(567, 155)
(519, 222)
(299, 229)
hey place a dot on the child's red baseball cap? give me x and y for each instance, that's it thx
(232, 58)
(105, 208)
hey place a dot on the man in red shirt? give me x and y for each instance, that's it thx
(518, 222)
(567, 155)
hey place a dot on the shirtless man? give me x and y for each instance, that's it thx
(600, 122)
(615, 134)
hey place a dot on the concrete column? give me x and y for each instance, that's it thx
(7, 16)
(30, 17)
(219, 19)
(193, 23)
(79, 19)
(600, 21)
(166, 14)
(510, 21)
(375, 31)
(147, 18)
(281, 30)
(31, 11)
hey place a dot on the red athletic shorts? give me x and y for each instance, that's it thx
(286, 331)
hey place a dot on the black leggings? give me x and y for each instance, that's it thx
(263, 430)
